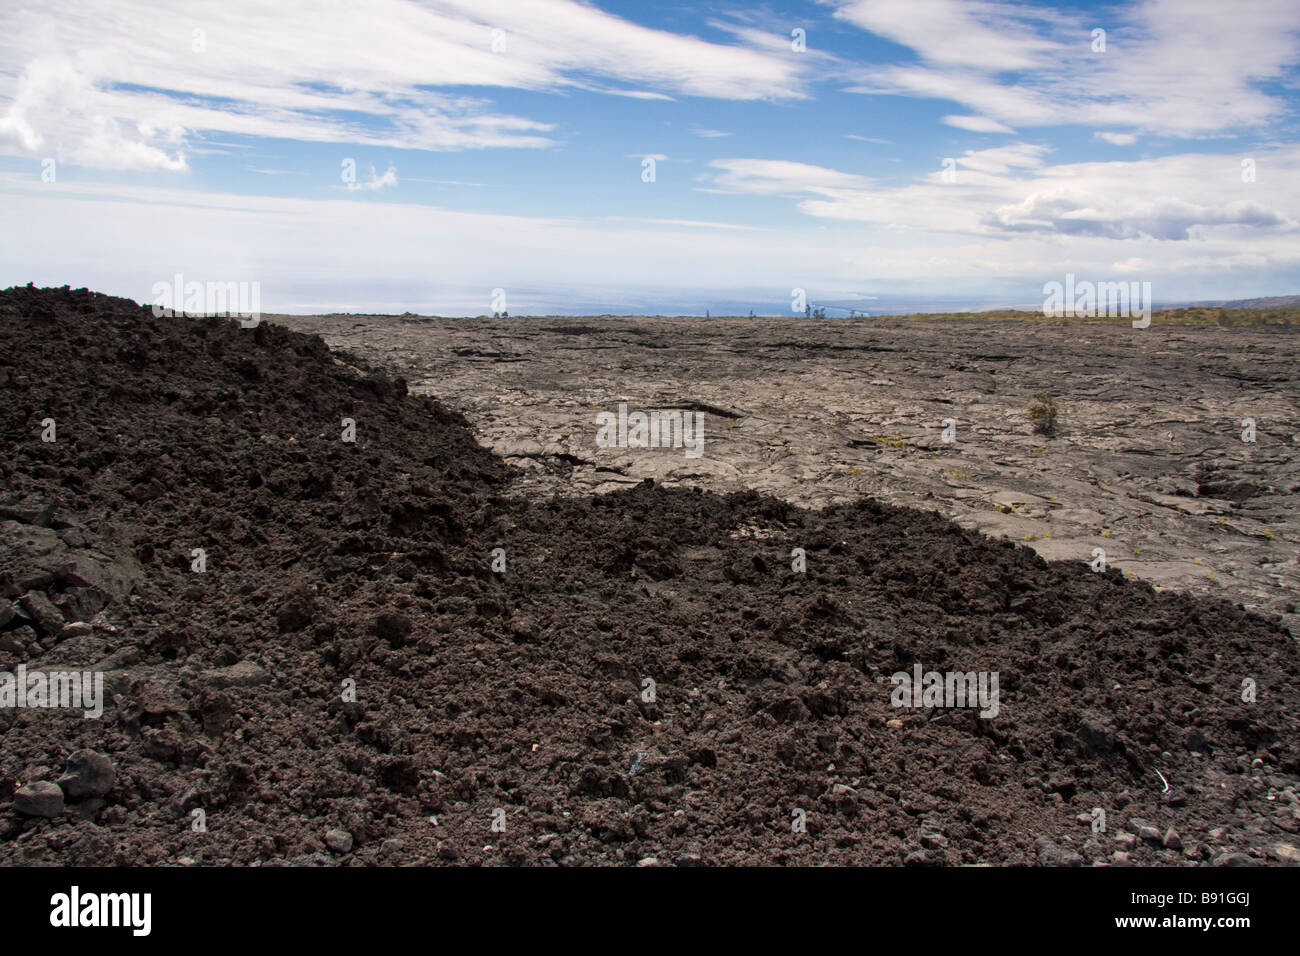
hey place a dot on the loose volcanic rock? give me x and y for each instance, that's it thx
(89, 774)
(650, 679)
(32, 510)
(243, 674)
(79, 604)
(40, 799)
(114, 577)
(41, 610)
(30, 557)
(340, 841)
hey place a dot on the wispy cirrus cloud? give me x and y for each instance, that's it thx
(775, 177)
(977, 124)
(127, 84)
(955, 33)
(1182, 68)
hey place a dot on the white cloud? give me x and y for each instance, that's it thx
(52, 86)
(78, 74)
(1001, 159)
(377, 182)
(1116, 139)
(1175, 67)
(1011, 191)
(771, 177)
(639, 94)
(952, 32)
(1079, 214)
(274, 172)
(978, 124)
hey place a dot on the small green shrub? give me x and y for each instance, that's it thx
(1044, 413)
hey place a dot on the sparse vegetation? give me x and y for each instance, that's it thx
(1044, 414)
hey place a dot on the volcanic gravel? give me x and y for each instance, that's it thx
(646, 680)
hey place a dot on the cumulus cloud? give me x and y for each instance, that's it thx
(1166, 218)
(56, 86)
(374, 183)
(1012, 190)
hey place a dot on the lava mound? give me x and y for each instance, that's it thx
(329, 634)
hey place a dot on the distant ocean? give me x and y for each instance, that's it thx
(462, 302)
(835, 307)
(363, 299)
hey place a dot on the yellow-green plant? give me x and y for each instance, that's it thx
(1044, 413)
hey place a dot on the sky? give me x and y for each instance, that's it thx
(457, 157)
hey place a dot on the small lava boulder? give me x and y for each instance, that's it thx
(39, 799)
(89, 774)
(41, 610)
(340, 841)
(243, 674)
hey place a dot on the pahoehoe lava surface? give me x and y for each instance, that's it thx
(332, 565)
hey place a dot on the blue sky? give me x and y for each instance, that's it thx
(867, 151)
